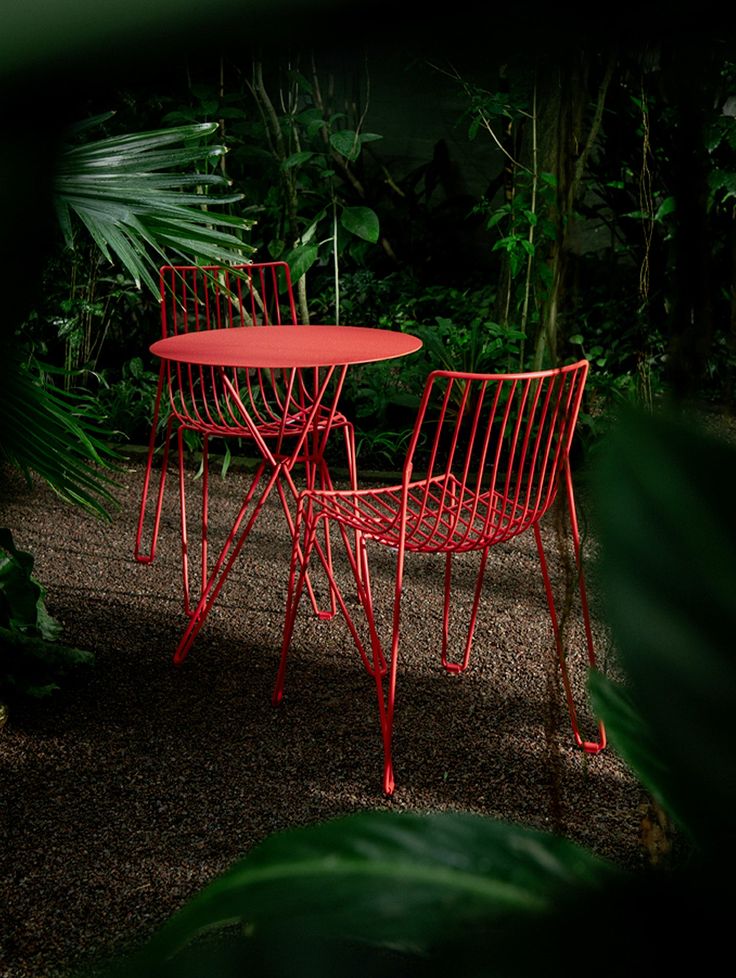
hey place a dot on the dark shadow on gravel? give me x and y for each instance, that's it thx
(139, 782)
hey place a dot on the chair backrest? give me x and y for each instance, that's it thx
(492, 448)
(220, 296)
(195, 298)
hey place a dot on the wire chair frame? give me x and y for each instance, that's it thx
(268, 407)
(487, 456)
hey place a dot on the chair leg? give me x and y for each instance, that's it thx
(188, 608)
(286, 503)
(301, 554)
(298, 577)
(141, 557)
(387, 701)
(590, 747)
(325, 550)
(204, 574)
(228, 555)
(352, 459)
(572, 510)
(378, 668)
(461, 666)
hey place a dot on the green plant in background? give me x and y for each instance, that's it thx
(128, 192)
(537, 203)
(458, 332)
(127, 399)
(480, 346)
(521, 222)
(416, 895)
(32, 659)
(382, 449)
(295, 150)
(321, 207)
(620, 373)
(91, 307)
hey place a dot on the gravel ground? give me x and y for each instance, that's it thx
(139, 782)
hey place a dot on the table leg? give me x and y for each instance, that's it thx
(228, 555)
(280, 473)
(140, 555)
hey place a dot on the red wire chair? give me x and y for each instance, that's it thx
(220, 297)
(493, 449)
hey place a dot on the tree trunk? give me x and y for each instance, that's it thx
(687, 77)
(564, 146)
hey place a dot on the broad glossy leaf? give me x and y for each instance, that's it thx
(300, 260)
(634, 740)
(346, 142)
(296, 159)
(668, 535)
(20, 593)
(397, 880)
(361, 221)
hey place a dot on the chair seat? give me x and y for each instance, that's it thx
(441, 515)
(292, 425)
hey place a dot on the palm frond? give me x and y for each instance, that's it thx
(53, 434)
(140, 198)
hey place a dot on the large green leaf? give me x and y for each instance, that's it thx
(143, 202)
(361, 221)
(668, 535)
(346, 142)
(634, 740)
(395, 880)
(300, 259)
(21, 596)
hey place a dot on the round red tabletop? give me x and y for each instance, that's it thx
(286, 346)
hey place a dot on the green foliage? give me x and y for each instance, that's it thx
(397, 880)
(626, 368)
(381, 448)
(458, 333)
(416, 894)
(296, 154)
(127, 399)
(523, 219)
(480, 347)
(55, 433)
(128, 191)
(32, 660)
(668, 535)
(456, 892)
(140, 203)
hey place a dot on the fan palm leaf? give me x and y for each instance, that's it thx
(141, 198)
(54, 434)
(143, 202)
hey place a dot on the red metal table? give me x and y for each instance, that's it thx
(325, 353)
